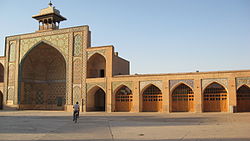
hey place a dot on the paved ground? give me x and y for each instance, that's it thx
(58, 126)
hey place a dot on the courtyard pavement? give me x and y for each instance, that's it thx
(58, 126)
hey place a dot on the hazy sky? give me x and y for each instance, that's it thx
(156, 36)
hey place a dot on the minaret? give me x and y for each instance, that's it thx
(49, 18)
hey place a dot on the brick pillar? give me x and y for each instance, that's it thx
(108, 96)
(232, 95)
(198, 95)
(136, 96)
(165, 96)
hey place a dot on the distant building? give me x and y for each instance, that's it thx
(53, 68)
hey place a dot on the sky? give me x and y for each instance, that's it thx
(156, 36)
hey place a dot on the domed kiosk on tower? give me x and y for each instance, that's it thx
(53, 68)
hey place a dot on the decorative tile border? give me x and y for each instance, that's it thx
(48, 33)
(101, 85)
(117, 84)
(60, 42)
(222, 81)
(78, 41)
(242, 81)
(102, 52)
(157, 83)
(173, 83)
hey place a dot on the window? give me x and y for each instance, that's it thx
(102, 73)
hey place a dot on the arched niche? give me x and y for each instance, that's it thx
(123, 99)
(215, 98)
(151, 99)
(42, 81)
(96, 99)
(96, 66)
(182, 98)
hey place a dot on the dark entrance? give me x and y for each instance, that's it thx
(100, 100)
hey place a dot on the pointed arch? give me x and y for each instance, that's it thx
(96, 99)
(96, 66)
(91, 86)
(147, 86)
(44, 43)
(182, 98)
(248, 85)
(123, 99)
(243, 99)
(178, 84)
(42, 81)
(151, 99)
(214, 82)
(215, 98)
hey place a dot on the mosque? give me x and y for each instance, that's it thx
(53, 68)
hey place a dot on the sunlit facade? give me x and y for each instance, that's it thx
(53, 68)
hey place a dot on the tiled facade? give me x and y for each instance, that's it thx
(94, 77)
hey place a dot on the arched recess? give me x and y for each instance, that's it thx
(42, 79)
(96, 99)
(123, 99)
(1, 100)
(215, 98)
(182, 98)
(96, 66)
(243, 99)
(151, 99)
(1, 73)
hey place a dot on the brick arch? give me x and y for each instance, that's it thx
(96, 99)
(182, 98)
(43, 42)
(123, 98)
(43, 68)
(120, 86)
(178, 84)
(248, 85)
(223, 85)
(243, 98)
(96, 66)
(215, 98)
(147, 86)
(96, 85)
(151, 99)
(101, 52)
